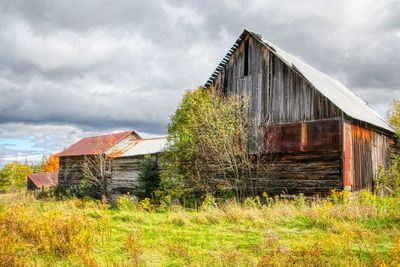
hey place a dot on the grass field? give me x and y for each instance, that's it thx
(363, 231)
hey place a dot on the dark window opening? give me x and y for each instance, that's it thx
(226, 82)
(246, 58)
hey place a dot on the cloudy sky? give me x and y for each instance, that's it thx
(72, 68)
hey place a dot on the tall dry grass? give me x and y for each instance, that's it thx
(28, 231)
(343, 230)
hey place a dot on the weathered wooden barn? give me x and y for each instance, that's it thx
(323, 136)
(71, 170)
(42, 180)
(124, 152)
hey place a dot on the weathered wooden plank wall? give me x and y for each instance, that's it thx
(125, 174)
(370, 150)
(277, 93)
(70, 171)
(122, 177)
(294, 173)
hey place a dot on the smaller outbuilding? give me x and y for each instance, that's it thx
(124, 152)
(42, 180)
(126, 163)
(72, 159)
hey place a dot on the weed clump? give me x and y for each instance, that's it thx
(133, 247)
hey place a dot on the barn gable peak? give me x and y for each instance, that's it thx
(336, 92)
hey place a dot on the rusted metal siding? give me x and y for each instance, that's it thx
(348, 161)
(323, 135)
(369, 150)
(363, 168)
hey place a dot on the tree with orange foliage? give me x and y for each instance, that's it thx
(52, 164)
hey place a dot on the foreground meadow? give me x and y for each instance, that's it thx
(362, 231)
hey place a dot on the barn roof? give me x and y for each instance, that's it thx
(96, 144)
(44, 179)
(142, 147)
(335, 91)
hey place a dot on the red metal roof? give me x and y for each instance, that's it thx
(95, 144)
(44, 179)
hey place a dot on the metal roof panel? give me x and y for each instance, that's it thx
(96, 144)
(145, 147)
(44, 179)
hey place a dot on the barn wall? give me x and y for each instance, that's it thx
(122, 178)
(370, 150)
(306, 172)
(311, 136)
(125, 174)
(31, 185)
(70, 172)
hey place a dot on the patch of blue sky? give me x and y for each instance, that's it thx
(20, 144)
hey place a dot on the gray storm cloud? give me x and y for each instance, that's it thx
(106, 65)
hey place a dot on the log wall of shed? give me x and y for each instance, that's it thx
(125, 174)
(306, 172)
(71, 171)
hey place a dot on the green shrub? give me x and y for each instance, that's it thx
(146, 205)
(253, 202)
(149, 178)
(340, 197)
(209, 201)
(126, 202)
(165, 203)
(388, 181)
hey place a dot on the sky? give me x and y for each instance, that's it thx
(70, 69)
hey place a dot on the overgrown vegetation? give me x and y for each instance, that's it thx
(13, 176)
(389, 180)
(344, 230)
(209, 137)
(393, 115)
(148, 179)
(96, 175)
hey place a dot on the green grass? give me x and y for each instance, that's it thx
(361, 232)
